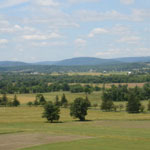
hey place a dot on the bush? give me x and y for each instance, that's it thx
(29, 103)
(79, 108)
(51, 112)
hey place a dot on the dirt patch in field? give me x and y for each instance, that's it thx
(22, 140)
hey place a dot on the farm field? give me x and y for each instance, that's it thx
(108, 85)
(95, 97)
(103, 130)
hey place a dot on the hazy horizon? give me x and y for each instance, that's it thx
(54, 30)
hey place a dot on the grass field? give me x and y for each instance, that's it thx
(106, 131)
(23, 128)
(95, 97)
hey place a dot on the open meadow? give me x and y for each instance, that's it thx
(23, 128)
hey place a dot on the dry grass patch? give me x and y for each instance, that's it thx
(22, 140)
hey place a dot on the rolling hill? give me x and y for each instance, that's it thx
(79, 61)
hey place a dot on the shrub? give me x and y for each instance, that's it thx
(29, 103)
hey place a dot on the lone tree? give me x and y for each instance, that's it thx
(107, 103)
(64, 101)
(51, 112)
(15, 102)
(133, 105)
(79, 108)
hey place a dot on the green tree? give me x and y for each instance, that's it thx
(133, 105)
(51, 112)
(64, 101)
(57, 102)
(87, 89)
(107, 103)
(40, 100)
(88, 102)
(4, 100)
(15, 101)
(79, 108)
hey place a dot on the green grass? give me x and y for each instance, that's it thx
(108, 130)
(104, 143)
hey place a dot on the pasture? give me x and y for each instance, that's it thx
(23, 128)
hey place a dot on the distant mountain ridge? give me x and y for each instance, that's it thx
(12, 63)
(134, 59)
(84, 61)
(79, 61)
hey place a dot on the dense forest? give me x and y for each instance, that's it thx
(27, 83)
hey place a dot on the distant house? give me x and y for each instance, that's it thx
(129, 73)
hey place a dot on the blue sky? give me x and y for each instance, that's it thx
(42, 30)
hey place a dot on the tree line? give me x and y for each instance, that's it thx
(121, 92)
(19, 83)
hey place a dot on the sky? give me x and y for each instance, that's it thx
(50, 30)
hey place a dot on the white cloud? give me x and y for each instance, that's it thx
(130, 39)
(123, 52)
(10, 3)
(16, 28)
(80, 42)
(136, 15)
(91, 16)
(54, 43)
(120, 29)
(140, 15)
(47, 3)
(127, 2)
(82, 1)
(3, 41)
(97, 31)
(42, 36)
